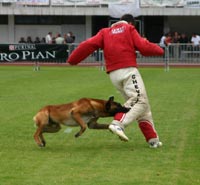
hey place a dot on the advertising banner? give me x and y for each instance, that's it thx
(89, 2)
(161, 3)
(8, 1)
(116, 10)
(33, 2)
(33, 52)
(192, 3)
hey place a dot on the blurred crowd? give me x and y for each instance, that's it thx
(181, 38)
(69, 37)
(50, 39)
(188, 45)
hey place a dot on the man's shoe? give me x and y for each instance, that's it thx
(155, 144)
(115, 129)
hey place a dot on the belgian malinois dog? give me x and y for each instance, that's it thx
(83, 112)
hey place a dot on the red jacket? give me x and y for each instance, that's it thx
(119, 42)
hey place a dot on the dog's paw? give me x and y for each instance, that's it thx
(43, 144)
(77, 135)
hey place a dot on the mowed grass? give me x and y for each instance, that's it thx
(98, 157)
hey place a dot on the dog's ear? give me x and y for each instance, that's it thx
(108, 103)
(111, 98)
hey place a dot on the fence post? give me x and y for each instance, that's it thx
(36, 66)
(101, 59)
(166, 58)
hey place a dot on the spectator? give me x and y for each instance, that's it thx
(53, 40)
(196, 43)
(69, 37)
(176, 37)
(29, 40)
(195, 39)
(162, 41)
(37, 40)
(168, 39)
(176, 48)
(72, 36)
(59, 39)
(183, 42)
(22, 40)
(163, 45)
(48, 38)
(183, 39)
(43, 41)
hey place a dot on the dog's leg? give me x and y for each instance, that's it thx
(41, 120)
(94, 125)
(52, 128)
(42, 140)
(77, 117)
(39, 139)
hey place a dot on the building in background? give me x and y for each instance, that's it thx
(23, 18)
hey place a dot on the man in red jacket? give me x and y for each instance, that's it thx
(120, 42)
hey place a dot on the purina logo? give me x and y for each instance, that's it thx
(18, 47)
(11, 47)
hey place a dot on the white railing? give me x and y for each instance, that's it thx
(175, 54)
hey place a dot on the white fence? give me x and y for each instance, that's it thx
(175, 55)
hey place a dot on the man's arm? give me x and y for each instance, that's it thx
(85, 49)
(145, 47)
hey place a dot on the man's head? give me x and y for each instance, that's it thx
(128, 18)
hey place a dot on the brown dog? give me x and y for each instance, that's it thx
(84, 112)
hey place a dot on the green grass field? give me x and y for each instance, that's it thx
(98, 157)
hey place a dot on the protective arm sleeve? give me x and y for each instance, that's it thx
(145, 47)
(85, 49)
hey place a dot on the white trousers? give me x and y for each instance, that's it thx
(129, 83)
